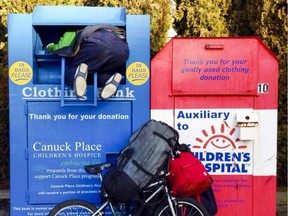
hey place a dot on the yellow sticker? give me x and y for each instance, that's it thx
(20, 73)
(137, 73)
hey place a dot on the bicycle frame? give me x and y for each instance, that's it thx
(163, 186)
(160, 185)
(171, 204)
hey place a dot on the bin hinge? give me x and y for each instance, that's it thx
(25, 109)
(26, 153)
(27, 196)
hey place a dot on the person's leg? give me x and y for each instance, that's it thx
(115, 54)
(111, 86)
(109, 76)
(80, 84)
(104, 53)
(90, 57)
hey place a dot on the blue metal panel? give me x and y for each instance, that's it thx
(35, 103)
(71, 15)
(19, 49)
(138, 27)
(61, 141)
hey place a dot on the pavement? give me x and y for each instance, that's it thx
(5, 203)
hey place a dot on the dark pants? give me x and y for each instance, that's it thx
(103, 52)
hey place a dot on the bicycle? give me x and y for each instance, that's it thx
(168, 205)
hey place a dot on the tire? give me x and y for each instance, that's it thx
(73, 207)
(184, 207)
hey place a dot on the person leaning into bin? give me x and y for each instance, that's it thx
(98, 48)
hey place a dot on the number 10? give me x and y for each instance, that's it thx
(263, 88)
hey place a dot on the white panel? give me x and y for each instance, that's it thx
(213, 135)
(265, 147)
(165, 115)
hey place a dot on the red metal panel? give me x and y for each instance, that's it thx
(245, 195)
(234, 194)
(166, 83)
(161, 79)
(215, 66)
(267, 83)
(214, 102)
(264, 195)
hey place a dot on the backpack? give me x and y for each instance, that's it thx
(188, 176)
(140, 161)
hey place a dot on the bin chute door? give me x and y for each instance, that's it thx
(61, 141)
(214, 67)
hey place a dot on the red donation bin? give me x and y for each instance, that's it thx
(221, 95)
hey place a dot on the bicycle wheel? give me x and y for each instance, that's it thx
(183, 207)
(73, 207)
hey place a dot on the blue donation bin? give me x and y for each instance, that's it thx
(53, 134)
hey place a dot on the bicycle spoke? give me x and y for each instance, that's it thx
(183, 207)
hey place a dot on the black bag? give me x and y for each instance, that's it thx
(120, 186)
(207, 199)
(140, 161)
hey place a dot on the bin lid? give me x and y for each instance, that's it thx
(215, 66)
(80, 15)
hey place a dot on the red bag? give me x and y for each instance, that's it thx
(188, 176)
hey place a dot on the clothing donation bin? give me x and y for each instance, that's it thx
(53, 134)
(221, 96)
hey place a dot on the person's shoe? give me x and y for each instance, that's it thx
(80, 84)
(111, 86)
(50, 47)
